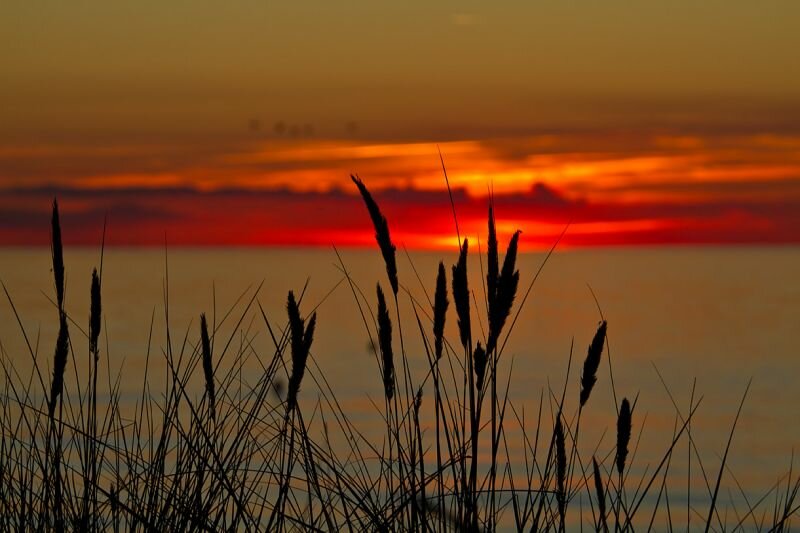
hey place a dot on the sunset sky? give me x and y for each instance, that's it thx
(640, 123)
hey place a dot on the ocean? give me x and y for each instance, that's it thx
(706, 320)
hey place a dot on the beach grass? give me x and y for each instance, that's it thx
(259, 454)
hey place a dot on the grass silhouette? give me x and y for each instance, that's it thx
(261, 457)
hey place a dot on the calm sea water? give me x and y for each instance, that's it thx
(720, 316)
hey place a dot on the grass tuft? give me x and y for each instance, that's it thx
(59, 364)
(561, 470)
(480, 358)
(301, 336)
(208, 366)
(623, 434)
(506, 290)
(461, 296)
(385, 344)
(592, 363)
(440, 304)
(95, 313)
(57, 251)
(381, 233)
(600, 494)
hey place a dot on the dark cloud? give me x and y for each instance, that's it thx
(284, 216)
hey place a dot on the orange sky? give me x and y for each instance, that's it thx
(642, 123)
(616, 188)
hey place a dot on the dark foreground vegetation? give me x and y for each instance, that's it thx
(73, 458)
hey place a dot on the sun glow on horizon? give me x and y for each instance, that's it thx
(277, 192)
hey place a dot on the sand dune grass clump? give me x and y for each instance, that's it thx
(218, 448)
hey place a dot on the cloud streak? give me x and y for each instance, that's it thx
(418, 219)
(616, 188)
